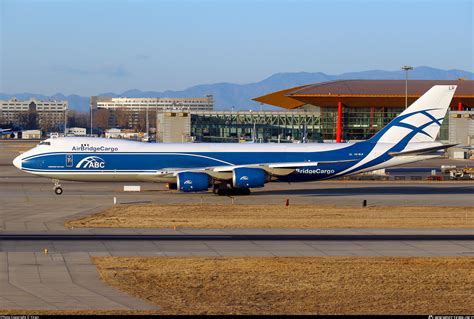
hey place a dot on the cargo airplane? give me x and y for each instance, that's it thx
(236, 168)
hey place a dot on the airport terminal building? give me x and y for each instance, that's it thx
(357, 109)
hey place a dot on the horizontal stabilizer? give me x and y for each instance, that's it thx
(422, 151)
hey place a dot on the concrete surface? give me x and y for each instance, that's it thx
(247, 247)
(34, 280)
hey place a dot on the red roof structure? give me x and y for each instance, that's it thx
(365, 93)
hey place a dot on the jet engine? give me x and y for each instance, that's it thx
(193, 182)
(248, 177)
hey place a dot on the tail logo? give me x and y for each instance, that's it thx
(91, 162)
(420, 129)
(404, 121)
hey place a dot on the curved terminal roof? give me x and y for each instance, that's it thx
(364, 93)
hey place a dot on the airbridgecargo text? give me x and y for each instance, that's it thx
(315, 171)
(91, 148)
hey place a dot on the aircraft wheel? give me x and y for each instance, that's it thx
(238, 192)
(172, 186)
(58, 190)
(224, 191)
(221, 192)
(220, 189)
(243, 191)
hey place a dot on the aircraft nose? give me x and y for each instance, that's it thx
(17, 162)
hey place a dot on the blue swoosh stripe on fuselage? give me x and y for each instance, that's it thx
(154, 161)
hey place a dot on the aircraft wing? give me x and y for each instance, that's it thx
(6, 131)
(225, 172)
(422, 151)
(276, 169)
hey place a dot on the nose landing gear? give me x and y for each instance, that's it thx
(57, 187)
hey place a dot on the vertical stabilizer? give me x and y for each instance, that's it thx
(421, 121)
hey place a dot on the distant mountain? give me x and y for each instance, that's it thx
(228, 95)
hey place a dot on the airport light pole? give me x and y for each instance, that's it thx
(91, 118)
(65, 121)
(406, 68)
(147, 125)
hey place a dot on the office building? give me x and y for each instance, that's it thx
(128, 112)
(33, 114)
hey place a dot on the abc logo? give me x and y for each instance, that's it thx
(91, 162)
(97, 165)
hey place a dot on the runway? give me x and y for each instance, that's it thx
(233, 237)
(256, 243)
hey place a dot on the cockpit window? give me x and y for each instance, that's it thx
(45, 143)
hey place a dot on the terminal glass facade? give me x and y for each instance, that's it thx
(358, 123)
(361, 123)
(257, 126)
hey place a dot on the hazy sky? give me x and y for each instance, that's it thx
(91, 47)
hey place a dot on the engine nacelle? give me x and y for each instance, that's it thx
(193, 182)
(249, 177)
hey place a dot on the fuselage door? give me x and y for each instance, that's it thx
(69, 160)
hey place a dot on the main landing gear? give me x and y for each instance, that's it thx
(224, 189)
(57, 187)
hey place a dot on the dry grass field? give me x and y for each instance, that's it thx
(277, 216)
(296, 285)
(22, 312)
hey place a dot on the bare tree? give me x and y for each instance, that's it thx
(141, 122)
(77, 119)
(122, 118)
(45, 125)
(82, 119)
(32, 120)
(23, 120)
(102, 118)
